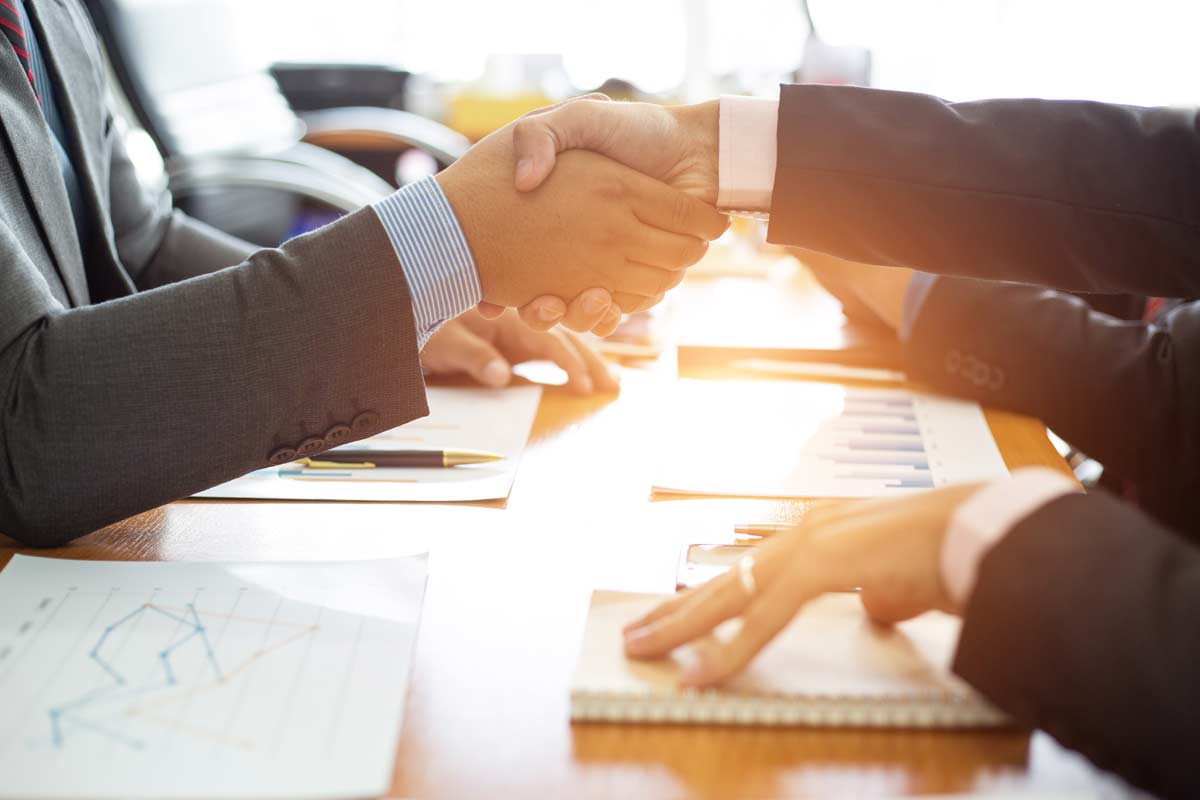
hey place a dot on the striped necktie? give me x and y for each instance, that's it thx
(14, 29)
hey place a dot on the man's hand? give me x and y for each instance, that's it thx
(674, 144)
(595, 223)
(487, 349)
(890, 548)
(593, 310)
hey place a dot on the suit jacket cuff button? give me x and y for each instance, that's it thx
(366, 422)
(283, 455)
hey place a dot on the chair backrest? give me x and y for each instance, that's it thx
(186, 80)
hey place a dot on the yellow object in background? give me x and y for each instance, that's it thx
(475, 114)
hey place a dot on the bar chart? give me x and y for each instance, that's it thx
(791, 439)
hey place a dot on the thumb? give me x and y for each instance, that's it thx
(535, 147)
(479, 359)
(539, 138)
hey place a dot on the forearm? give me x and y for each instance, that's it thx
(1068, 194)
(1118, 390)
(1081, 623)
(189, 248)
(156, 244)
(115, 408)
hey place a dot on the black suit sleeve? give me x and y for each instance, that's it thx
(1126, 393)
(1083, 623)
(1077, 195)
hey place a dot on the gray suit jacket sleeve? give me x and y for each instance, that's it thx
(1076, 195)
(110, 409)
(156, 244)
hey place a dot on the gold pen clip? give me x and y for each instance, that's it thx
(309, 463)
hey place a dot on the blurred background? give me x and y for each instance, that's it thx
(268, 118)
(273, 117)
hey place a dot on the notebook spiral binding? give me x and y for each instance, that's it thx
(938, 710)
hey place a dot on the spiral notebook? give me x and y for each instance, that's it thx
(830, 667)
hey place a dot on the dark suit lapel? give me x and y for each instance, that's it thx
(81, 104)
(34, 152)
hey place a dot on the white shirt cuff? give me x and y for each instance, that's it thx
(746, 154)
(987, 515)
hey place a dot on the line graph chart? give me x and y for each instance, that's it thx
(182, 680)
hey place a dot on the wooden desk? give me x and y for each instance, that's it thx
(508, 589)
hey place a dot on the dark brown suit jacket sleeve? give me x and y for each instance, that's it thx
(1126, 393)
(1076, 195)
(1083, 623)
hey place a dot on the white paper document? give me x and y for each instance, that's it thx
(189, 680)
(495, 420)
(790, 439)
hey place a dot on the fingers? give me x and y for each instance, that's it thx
(602, 375)
(643, 280)
(632, 303)
(542, 313)
(562, 351)
(588, 310)
(675, 603)
(463, 351)
(660, 206)
(489, 310)
(612, 320)
(770, 612)
(693, 618)
(660, 248)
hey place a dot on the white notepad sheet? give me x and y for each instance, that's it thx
(830, 666)
(470, 418)
(191, 680)
(811, 440)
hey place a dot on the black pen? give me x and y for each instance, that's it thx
(370, 459)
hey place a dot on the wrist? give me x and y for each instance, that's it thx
(455, 184)
(700, 125)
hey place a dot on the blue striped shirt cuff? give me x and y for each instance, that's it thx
(433, 253)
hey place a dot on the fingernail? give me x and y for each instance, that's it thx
(524, 168)
(594, 305)
(637, 641)
(695, 674)
(496, 372)
(548, 313)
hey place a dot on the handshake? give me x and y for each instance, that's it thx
(605, 229)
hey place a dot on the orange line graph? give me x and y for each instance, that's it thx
(147, 710)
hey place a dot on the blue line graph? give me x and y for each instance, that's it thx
(68, 712)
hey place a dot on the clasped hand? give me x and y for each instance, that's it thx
(593, 223)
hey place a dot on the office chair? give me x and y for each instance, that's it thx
(236, 154)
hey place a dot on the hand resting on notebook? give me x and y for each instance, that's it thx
(889, 547)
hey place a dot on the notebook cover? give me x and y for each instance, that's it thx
(830, 667)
